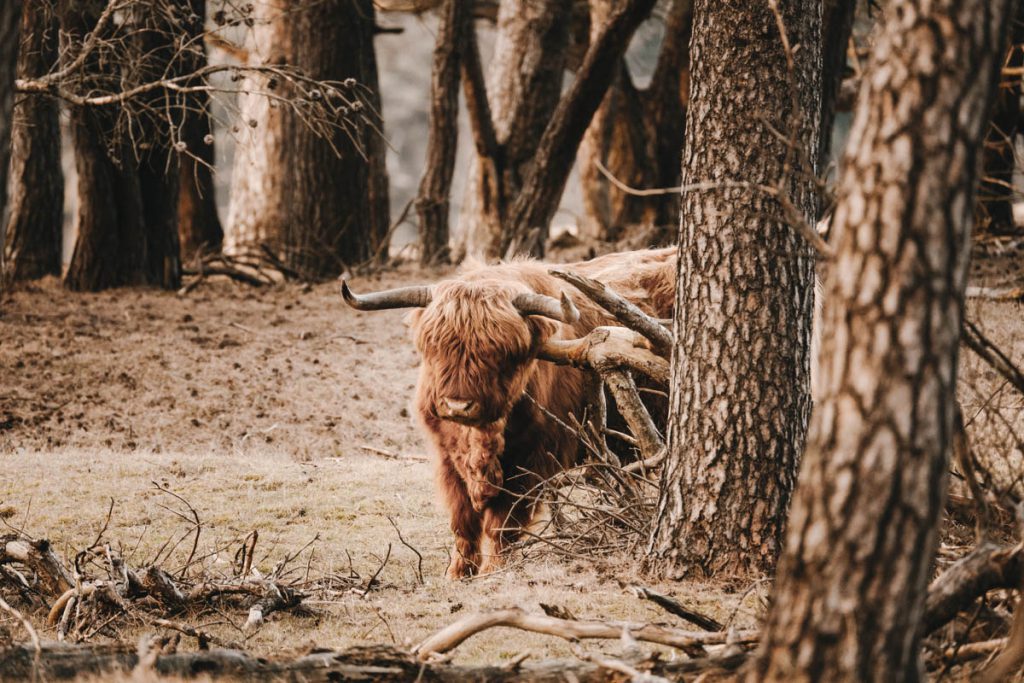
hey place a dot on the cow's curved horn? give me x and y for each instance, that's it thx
(402, 297)
(548, 306)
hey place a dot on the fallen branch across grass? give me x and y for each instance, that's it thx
(455, 634)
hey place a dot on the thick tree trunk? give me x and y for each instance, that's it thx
(637, 135)
(524, 82)
(740, 376)
(33, 245)
(110, 249)
(864, 526)
(199, 227)
(127, 223)
(10, 19)
(433, 201)
(319, 211)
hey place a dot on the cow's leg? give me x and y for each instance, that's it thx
(503, 519)
(464, 521)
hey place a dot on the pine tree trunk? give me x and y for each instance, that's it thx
(1000, 159)
(127, 228)
(433, 201)
(10, 19)
(864, 526)
(637, 135)
(199, 228)
(320, 212)
(740, 374)
(524, 84)
(110, 249)
(37, 182)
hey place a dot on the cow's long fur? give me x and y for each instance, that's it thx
(476, 346)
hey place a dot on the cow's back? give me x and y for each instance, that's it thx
(646, 277)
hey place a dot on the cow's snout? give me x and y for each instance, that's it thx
(458, 409)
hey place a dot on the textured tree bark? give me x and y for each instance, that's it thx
(740, 379)
(637, 135)
(127, 222)
(863, 531)
(33, 247)
(529, 218)
(317, 210)
(524, 83)
(997, 192)
(110, 249)
(199, 227)
(432, 203)
(10, 19)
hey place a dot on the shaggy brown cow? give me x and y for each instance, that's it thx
(478, 336)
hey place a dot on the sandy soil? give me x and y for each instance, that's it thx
(274, 409)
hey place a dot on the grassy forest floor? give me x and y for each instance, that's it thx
(281, 410)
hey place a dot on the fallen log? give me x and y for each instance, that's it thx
(455, 634)
(62, 662)
(987, 567)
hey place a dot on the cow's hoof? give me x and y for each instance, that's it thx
(460, 568)
(490, 563)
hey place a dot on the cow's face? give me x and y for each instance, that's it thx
(478, 353)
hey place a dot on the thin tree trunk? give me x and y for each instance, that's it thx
(529, 218)
(864, 526)
(10, 19)
(199, 227)
(740, 376)
(524, 82)
(637, 135)
(319, 211)
(836, 29)
(37, 182)
(1000, 160)
(433, 201)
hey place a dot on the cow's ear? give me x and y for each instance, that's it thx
(412, 317)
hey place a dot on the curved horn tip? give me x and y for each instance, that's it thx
(350, 298)
(570, 313)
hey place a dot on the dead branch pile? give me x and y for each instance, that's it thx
(604, 505)
(98, 593)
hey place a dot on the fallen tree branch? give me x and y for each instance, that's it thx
(455, 634)
(625, 311)
(674, 607)
(996, 294)
(606, 349)
(628, 401)
(987, 567)
(991, 354)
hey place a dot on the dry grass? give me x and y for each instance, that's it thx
(256, 405)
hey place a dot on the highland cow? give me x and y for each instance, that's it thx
(485, 400)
